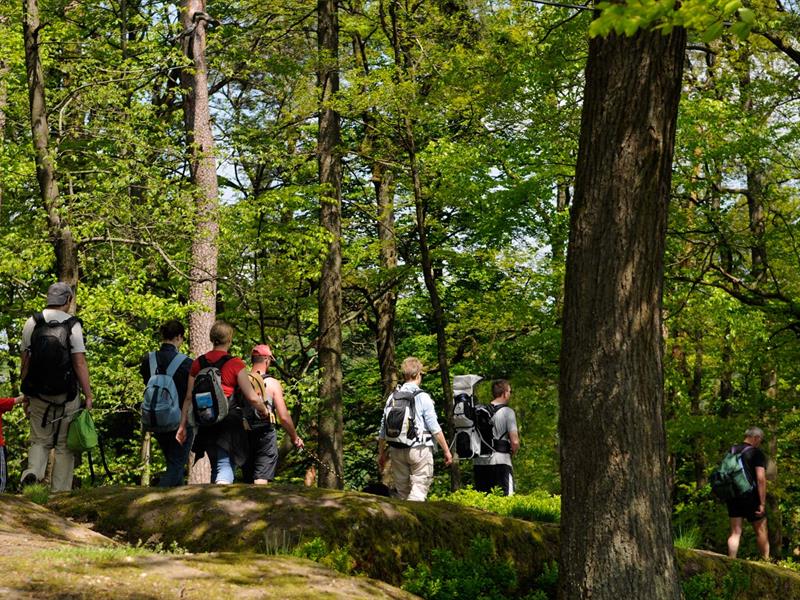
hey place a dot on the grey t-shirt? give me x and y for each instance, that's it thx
(504, 423)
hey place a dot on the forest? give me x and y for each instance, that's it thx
(357, 182)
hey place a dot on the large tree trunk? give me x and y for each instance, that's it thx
(200, 141)
(429, 276)
(66, 250)
(616, 538)
(386, 303)
(5, 68)
(331, 423)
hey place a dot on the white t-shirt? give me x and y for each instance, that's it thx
(503, 423)
(51, 314)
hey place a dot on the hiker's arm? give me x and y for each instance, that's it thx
(513, 437)
(81, 369)
(761, 479)
(448, 457)
(285, 418)
(24, 361)
(243, 381)
(180, 435)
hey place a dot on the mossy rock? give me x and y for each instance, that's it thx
(45, 556)
(382, 535)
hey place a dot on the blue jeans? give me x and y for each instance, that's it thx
(221, 467)
(176, 456)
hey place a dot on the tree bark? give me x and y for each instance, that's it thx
(66, 251)
(386, 304)
(616, 537)
(5, 68)
(330, 420)
(144, 481)
(203, 166)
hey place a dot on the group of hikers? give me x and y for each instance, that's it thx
(217, 406)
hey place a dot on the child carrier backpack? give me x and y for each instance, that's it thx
(50, 362)
(209, 401)
(467, 442)
(161, 407)
(729, 480)
(400, 419)
(252, 419)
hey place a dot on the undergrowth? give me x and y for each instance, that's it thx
(537, 506)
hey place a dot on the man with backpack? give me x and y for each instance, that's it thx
(211, 398)
(53, 372)
(496, 470)
(262, 460)
(409, 427)
(750, 504)
(166, 376)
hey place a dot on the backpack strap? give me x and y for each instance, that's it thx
(38, 318)
(153, 363)
(204, 364)
(221, 362)
(175, 364)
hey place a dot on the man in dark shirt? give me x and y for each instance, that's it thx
(175, 454)
(750, 506)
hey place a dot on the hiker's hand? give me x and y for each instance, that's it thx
(761, 510)
(298, 443)
(19, 399)
(180, 435)
(89, 401)
(448, 459)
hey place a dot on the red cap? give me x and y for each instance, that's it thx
(261, 350)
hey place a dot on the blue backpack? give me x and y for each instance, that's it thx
(161, 408)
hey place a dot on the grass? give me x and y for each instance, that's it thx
(538, 506)
(687, 539)
(37, 493)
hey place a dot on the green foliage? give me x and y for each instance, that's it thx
(317, 549)
(687, 539)
(481, 574)
(37, 493)
(536, 506)
(705, 586)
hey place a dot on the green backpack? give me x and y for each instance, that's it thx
(82, 435)
(729, 480)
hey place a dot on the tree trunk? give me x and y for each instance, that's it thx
(5, 68)
(66, 250)
(200, 142)
(331, 423)
(429, 276)
(386, 303)
(616, 537)
(695, 391)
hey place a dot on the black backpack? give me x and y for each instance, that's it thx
(484, 423)
(50, 369)
(209, 401)
(400, 419)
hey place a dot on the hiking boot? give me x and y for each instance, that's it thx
(29, 479)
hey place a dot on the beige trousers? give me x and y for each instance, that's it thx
(412, 469)
(43, 438)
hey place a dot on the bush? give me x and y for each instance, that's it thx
(317, 549)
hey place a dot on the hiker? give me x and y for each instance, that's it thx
(6, 404)
(750, 505)
(262, 458)
(411, 451)
(53, 371)
(496, 470)
(224, 440)
(169, 359)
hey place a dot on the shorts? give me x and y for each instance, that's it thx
(745, 507)
(262, 461)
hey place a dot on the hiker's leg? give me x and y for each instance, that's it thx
(505, 479)
(41, 439)
(3, 469)
(175, 455)
(221, 467)
(762, 539)
(484, 478)
(420, 459)
(401, 472)
(64, 461)
(735, 536)
(265, 457)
